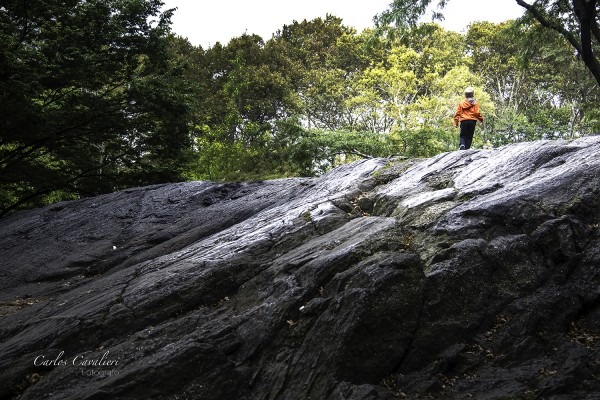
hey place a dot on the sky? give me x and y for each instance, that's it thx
(205, 22)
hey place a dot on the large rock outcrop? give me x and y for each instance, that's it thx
(473, 274)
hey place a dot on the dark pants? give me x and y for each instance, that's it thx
(467, 129)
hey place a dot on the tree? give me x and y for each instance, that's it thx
(403, 13)
(519, 60)
(91, 99)
(245, 107)
(576, 20)
(386, 90)
(495, 53)
(323, 55)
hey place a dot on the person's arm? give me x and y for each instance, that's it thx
(456, 116)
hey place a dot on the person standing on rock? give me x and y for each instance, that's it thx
(468, 114)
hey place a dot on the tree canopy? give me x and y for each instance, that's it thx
(98, 95)
(88, 100)
(576, 20)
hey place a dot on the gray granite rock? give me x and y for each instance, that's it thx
(473, 274)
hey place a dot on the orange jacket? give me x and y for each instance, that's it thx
(467, 110)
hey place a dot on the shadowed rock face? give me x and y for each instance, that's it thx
(472, 274)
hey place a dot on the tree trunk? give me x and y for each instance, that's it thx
(585, 10)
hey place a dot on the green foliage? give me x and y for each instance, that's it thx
(99, 96)
(423, 142)
(344, 95)
(519, 64)
(576, 21)
(405, 14)
(91, 99)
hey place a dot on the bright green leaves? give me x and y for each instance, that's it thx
(385, 90)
